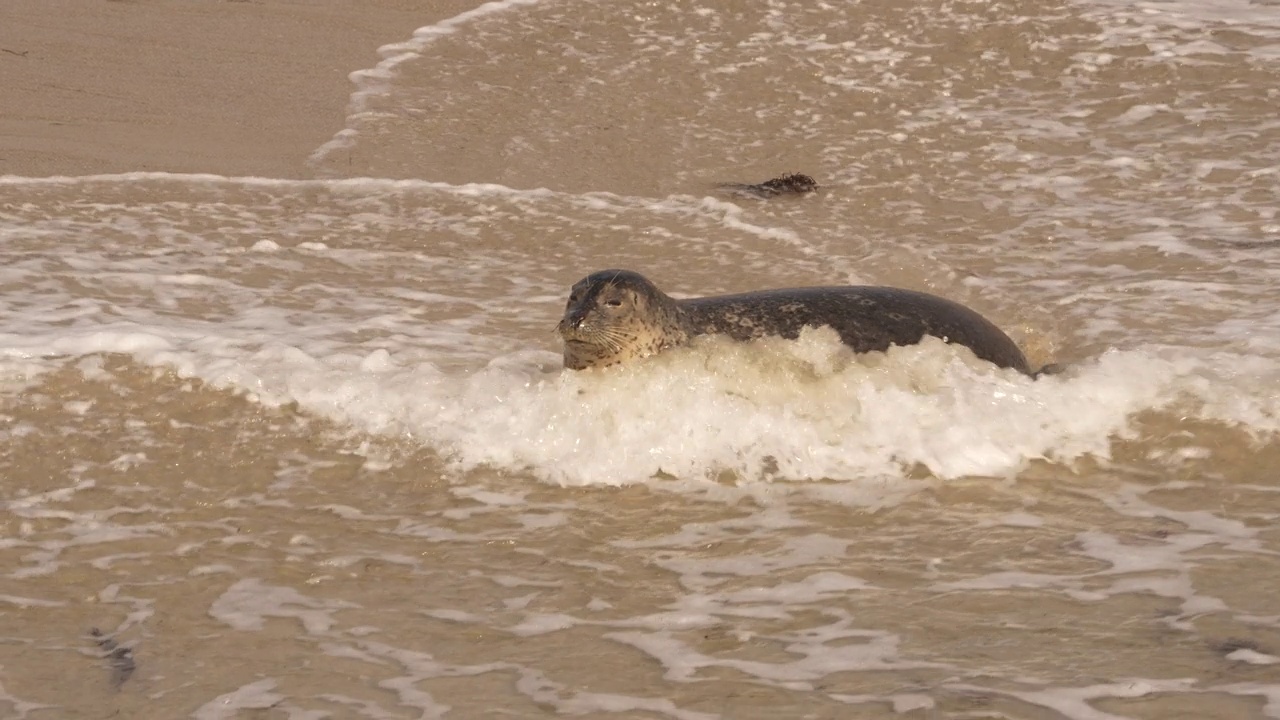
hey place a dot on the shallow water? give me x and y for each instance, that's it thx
(304, 448)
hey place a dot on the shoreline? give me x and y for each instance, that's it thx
(231, 88)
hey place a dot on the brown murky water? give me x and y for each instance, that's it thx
(304, 450)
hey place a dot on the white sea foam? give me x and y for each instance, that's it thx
(783, 410)
(377, 80)
(248, 603)
(1253, 657)
(257, 695)
(21, 708)
(1249, 15)
(26, 602)
(824, 650)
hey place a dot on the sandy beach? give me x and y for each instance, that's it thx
(234, 87)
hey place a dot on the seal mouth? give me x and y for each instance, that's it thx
(574, 332)
(566, 327)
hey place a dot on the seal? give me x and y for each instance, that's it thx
(792, 184)
(615, 316)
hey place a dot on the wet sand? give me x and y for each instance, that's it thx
(234, 87)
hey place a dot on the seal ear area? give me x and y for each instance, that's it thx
(629, 279)
(581, 290)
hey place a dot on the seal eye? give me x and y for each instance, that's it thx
(573, 297)
(613, 303)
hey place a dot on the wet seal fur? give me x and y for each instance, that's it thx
(793, 184)
(614, 316)
(119, 658)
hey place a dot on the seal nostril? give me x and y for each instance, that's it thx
(573, 320)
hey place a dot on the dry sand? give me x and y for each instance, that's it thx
(234, 87)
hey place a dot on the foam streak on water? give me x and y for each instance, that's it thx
(377, 80)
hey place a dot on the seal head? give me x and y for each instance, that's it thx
(614, 316)
(792, 184)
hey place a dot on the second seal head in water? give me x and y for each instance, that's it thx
(614, 316)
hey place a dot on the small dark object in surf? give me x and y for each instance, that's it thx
(1051, 369)
(793, 184)
(119, 658)
(1230, 645)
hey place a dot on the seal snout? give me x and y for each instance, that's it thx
(592, 301)
(570, 326)
(572, 319)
